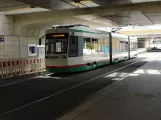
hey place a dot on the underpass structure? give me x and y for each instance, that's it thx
(23, 24)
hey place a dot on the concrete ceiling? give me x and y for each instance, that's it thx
(120, 12)
(107, 13)
(12, 4)
(107, 2)
(69, 4)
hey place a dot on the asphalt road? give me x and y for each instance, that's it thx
(48, 97)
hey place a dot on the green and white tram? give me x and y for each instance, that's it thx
(79, 48)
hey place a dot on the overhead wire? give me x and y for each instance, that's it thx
(104, 16)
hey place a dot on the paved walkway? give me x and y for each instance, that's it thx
(136, 97)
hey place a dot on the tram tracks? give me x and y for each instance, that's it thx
(84, 85)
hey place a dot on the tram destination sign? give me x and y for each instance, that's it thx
(56, 35)
(1, 39)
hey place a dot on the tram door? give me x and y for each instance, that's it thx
(73, 46)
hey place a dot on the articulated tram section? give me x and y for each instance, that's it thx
(78, 48)
(71, 49)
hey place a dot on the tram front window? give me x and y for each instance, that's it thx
(56, 46)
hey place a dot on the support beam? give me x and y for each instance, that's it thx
(151, 7)
(149, 19)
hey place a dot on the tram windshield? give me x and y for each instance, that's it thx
(56, 43)
(56, 46)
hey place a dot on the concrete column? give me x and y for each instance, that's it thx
(9, 45)
(6, 24)
(15, 46)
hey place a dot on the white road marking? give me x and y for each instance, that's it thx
(68, 89)
(15, 82)
(142, 55)
(102, 90)
(23, 80)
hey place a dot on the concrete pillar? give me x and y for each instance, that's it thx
(6, 24)
(11, 45)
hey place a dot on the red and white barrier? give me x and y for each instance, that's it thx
(11, 67)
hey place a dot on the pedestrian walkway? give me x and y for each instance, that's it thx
(136, 97)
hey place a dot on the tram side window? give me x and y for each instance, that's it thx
(101, 48)
(117, 48)
(87, 43)
(117, 45)
(73, 46)
(122, 46)
(136, 46)
(87, 46)
(105, 47)
(93, 46)
(126, 46)
(133, 46)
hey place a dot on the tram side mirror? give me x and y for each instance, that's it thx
(42, 39)
(39, 41)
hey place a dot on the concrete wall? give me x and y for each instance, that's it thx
(13, 46)
(143, 43)
(23, 29)
(16, 46)
(6, 24)
(24, 41)
(10, 47)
